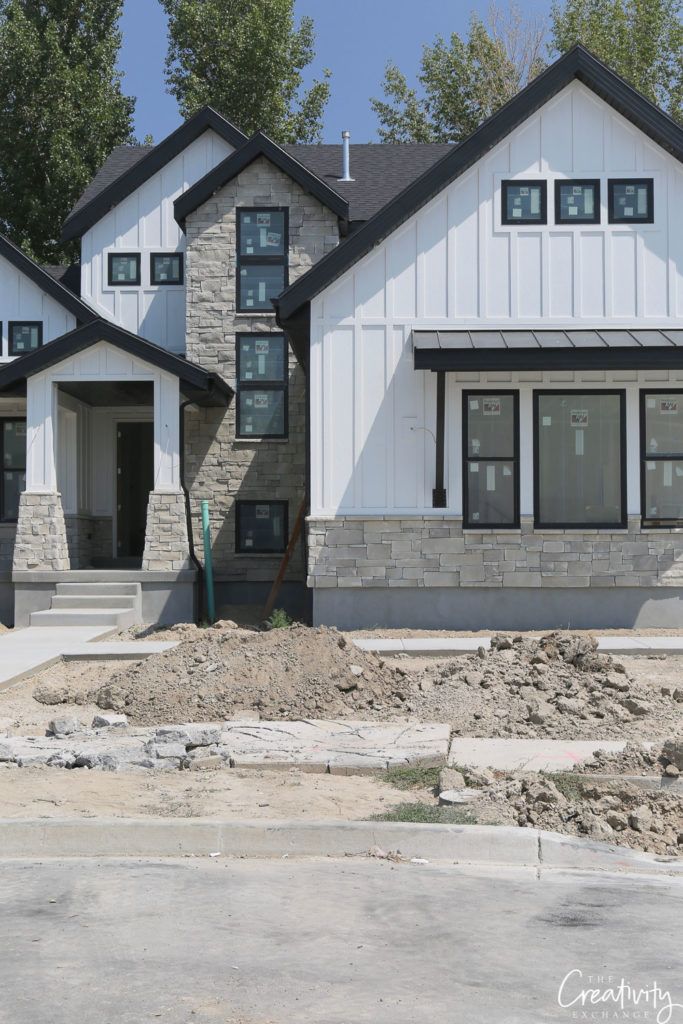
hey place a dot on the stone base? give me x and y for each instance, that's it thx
(41, 533)
(166, 544)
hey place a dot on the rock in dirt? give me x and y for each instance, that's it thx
(450, 778)
(673, 752)
(64, 726)
(52, 693)
(109, 721)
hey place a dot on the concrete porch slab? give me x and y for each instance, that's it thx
(528, 755)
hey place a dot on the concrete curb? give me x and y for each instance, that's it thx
(457, 844)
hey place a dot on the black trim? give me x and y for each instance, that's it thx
(439, 497)
(45, 282)
(259, 260)
(649, 218)
(23, 323)
(598, 358)
(523, 183)
(560, 183)
(579, 64)
(111, 256)
(166, 255)
(661, 522)
(258, 145)
(78, 223)
(239, 505)
(197, 383)
(467, 458)
(623, 522)
(261, 385)
(7, 469)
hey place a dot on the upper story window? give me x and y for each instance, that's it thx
(24, 336)
(491, 458)
(661, 451)
(262, 248)
(631, 201)
(13, 479)
(577, 202)
(524, 202)
(261, 385)
(124, 268)
(166, 268)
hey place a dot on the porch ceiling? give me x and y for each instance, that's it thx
(111, 393)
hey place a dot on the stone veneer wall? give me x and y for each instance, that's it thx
(8, 534)
(166, 543)
(88, 537)
(41, 533)
(436, 552)
(219, 467)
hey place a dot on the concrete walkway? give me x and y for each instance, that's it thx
(23, 652)
(452, 646)
(528, 755)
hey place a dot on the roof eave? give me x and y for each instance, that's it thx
(55, 289)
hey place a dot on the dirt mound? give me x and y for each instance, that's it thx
(666, 759)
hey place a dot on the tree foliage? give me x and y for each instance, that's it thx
(642, 40)
(245, 58)
(462, 81)
(61, 109)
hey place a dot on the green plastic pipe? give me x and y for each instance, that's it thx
(208, 563)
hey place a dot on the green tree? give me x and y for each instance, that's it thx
(462, 81)
(642, 40)
(62, 112)
(245, 58)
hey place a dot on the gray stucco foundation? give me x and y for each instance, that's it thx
(484, 608)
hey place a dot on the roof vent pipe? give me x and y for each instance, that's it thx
(346, 157)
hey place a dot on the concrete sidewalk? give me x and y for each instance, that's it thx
(446, 647)
(511, 755)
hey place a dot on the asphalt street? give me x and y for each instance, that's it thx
(326, 942)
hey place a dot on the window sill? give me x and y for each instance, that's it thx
(254, 313)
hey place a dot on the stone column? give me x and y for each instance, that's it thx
(41, 533)
(167, 548)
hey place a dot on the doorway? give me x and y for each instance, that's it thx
(134, 481)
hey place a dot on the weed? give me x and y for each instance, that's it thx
(279, 619)
(428, 814)
(412, 777)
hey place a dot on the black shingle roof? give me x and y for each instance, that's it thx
(117, 163)
(69, 276)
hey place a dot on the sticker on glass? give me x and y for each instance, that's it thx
(262, 348)
(263, 220)
(491, 406)
(261, 401)
(579, 417)
(262, 512)
(490, 478)
(668, 406)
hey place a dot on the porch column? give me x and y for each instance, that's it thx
(166, 541)
(41, 532)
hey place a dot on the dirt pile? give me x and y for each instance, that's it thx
(665, 760)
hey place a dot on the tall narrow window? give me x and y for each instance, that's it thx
(661, 450)
(261, 385)
(262, 244)
(13, 479)
(491, 458)
(24, 336)
(580, 443)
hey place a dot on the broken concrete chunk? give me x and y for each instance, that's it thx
(64, 726)
(641, 818)
(451, 778)
(673, 752)
(109, 721)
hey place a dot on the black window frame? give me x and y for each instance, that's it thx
(261, 385)
(468, 524)
(111, 256)
(240, 504)
(3, 420)
(523, 183)
(166, 255)
(259, 261)
(23, 323)
(623, 523)
(649, 219)
(597, 199)
(648, 522)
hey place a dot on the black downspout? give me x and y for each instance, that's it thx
(439, 492)
(188, 515)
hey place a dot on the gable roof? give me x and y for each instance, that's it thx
(196, 383)
(258, 145)
(577, 64)
(45, 281)
(128, 167)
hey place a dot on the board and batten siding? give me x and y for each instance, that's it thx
(453, 264)
(22, 299)
(143, 222)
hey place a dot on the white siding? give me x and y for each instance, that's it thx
(144, 223)
(454, 264)
(21, 299)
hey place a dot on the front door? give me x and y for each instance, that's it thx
(134, 481)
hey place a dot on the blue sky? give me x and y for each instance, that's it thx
(354, 40)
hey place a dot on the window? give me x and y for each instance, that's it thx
(262, 244)
(124, 268)
(261, 385)
(631, 201)
(661, 452)
(490, 458)
(580, 443)
(577, 202)
(24, 336)
(524, 202)
(261, 527)
(166, 268)
(13, 480)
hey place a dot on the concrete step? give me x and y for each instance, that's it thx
(117, 618)
(86, 602)
(103, 589)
